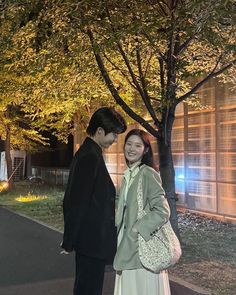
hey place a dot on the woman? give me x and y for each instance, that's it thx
(131, 277)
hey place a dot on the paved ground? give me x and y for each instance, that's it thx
(30, 261)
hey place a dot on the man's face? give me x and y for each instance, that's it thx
(105, 140)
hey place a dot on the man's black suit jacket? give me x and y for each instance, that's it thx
(89, 205)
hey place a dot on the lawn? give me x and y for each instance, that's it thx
(41, 202)
(209, 246)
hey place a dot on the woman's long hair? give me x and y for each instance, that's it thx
(145, 137)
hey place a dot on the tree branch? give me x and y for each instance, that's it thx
(140, 90)
(162, 77)
(154, 98)
(148, 63)
(115, 93)
(153, 45)
(184, 45)
(119, 70)
(202, 82)
(127, 63)
(145, 97)
(171, 59)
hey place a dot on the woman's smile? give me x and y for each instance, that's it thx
(134, 149)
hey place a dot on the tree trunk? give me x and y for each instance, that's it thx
(167, 173)
(8, 159)
(28, 165)
(166, 167)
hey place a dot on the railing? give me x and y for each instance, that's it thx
(51, 175)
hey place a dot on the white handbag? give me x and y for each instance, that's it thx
(163, 250)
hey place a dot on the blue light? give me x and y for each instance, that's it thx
(180, 176)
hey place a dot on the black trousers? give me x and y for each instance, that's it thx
(89, 275)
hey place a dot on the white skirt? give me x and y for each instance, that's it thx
(141, 282)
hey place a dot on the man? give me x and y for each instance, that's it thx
(89, 204)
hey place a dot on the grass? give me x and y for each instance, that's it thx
(209, 246)
(41, 202)
(209, 254)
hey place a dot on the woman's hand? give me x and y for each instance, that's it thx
(134, 230)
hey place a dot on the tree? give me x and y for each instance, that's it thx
(146, 51)
(55, 66)
(43, 84)
(150, 49)
(16, 129)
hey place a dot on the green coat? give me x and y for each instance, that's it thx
(156, 207)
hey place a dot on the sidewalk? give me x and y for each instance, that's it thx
(30, 261)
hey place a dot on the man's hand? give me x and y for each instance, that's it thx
(63, 251)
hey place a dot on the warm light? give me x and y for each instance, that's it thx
(5, 185)
(30, 199)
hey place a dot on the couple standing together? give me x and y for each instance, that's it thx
(89, 211)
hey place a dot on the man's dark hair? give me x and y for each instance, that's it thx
(108, 119)
(145, 137)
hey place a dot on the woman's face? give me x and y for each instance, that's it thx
(134, 149)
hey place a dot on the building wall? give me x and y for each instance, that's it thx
(204, 153)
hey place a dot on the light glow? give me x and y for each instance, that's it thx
(4, 185)
(30, 199)
(180, 176)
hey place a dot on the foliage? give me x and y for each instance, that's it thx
(146, 52)
(149, 50)
(13, 117)
(151, 54)
(47, 80)
(158, 45)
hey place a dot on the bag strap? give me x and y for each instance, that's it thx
(141, 212)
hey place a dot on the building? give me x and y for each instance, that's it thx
(204, 151)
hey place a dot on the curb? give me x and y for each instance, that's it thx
(32, 219)
(188, 285)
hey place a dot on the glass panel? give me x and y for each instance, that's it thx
(201, 166)
(227, 198)
(201, 132)
(178, 159)
(227, 171)
(179, 109)
(207, 99)
(201, 195)
(112, 149)
(178, 139)
(227, 130)
(114, 178)
(229, 101)
(111, 162)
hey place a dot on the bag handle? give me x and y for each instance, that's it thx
(141, 212)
